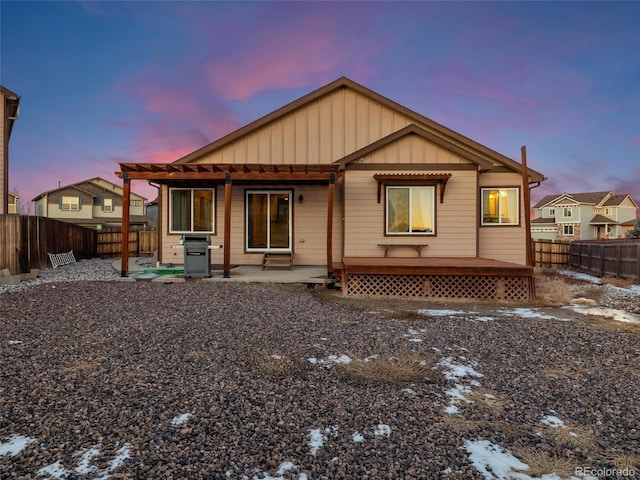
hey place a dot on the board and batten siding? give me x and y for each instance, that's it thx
(503, 243)
(309, 226)
(322, 131)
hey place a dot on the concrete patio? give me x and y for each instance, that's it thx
(240, 273)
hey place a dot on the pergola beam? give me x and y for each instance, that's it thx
(227, 174)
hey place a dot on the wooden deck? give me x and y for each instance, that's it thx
(436, 277)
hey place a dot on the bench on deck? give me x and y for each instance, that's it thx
(390, 246)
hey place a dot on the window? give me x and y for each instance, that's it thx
(70, 203)
(608, 211)
(500, 206)
(191, 210)
(107, 205)
(135, 203)
(567, 229)
(268, 218)
(552, 212)
(567, 212)
(410, 211)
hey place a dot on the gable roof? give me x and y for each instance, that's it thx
(435, 129)
(414, 129)
(593, 198)
(616, 200)
(90, 187)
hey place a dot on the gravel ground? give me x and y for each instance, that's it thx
(153, 381)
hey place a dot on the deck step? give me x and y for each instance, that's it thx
(277, 260)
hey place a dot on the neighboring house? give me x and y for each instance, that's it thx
(152, 213)
(583, 216)
(94, 203)
(13, 203)
(339, 174)
(9, 111)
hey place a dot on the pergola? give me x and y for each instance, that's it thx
(181, 174)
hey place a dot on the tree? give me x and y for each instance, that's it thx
(635, 233)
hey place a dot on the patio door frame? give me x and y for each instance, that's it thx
(268, 193)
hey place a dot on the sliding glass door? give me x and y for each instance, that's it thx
(268, 220)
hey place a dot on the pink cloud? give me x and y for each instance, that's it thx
(172, 120)
(306, 53)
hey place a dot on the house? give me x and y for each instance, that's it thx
(12, 205)
(583, 216)
(9, 112)
(94, 203)
(348, 179)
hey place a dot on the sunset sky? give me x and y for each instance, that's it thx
(108, 82)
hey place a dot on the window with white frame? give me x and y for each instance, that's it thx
(608, 211)
(567, 229)
(69, 203)
(107, 205)
(567, 212)
(552, 212)
(410, 210)
(191, 210)
(500, 206)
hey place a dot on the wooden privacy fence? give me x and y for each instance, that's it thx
(25, 241)
(141, 242)
(615, 258)
(551, 253)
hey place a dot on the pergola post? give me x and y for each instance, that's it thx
(227, 226)
(331, 194)
(124, 245)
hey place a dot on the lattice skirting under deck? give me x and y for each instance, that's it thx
(442, 286)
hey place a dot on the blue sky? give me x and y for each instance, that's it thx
(109, 82)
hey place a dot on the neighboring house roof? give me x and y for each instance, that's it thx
(12, 108)
(629, 223)
(549, 220)
(431, 130)
(89, 187)
(593, 198)
(133, 219)
(616, 200)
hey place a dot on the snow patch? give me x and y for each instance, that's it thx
(15, 444)
(382, 430)
(496, 463)
(55, 470)
(456, 373)
(318, 436)
(614, 314)
(492, 461)
(532, 313)
(180, 419)
(553, 421)
(440, 313)
(330, 361)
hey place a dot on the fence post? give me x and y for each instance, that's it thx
(638, 262)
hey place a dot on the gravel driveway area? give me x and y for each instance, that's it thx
(233, 381)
